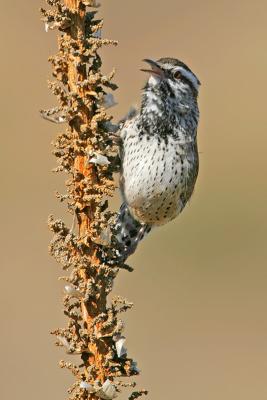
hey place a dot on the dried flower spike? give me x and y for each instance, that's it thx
(87, 152)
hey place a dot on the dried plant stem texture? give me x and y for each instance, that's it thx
(86, 152)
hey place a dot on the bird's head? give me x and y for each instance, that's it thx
(173, 73)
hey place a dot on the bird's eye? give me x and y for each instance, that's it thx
(177, 75)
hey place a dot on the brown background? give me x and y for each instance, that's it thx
(199, 326)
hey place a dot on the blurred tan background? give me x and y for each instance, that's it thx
(199, 326)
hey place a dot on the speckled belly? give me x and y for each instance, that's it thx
(154, 180)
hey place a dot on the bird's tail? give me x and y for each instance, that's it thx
(129, 232)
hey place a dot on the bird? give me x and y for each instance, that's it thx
(158, 152)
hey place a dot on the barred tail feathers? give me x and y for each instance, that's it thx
(130, 231)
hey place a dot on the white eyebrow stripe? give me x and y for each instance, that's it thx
(188, 75)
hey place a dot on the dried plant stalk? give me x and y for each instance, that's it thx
(87, 153)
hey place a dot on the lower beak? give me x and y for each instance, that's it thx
(155, 68)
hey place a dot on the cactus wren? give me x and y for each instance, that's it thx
(159, 155)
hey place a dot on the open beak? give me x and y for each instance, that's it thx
(155, 68)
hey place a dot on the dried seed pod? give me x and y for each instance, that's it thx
(134, 367)
(64, 342)
(86, 386)
(99, 159)
(107, 391)
(119, 344)
(72, 291)
(109, 101)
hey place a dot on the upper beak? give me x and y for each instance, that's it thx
(155, 68)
